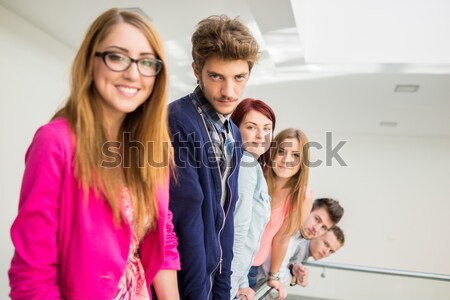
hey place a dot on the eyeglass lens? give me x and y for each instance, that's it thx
(120, 62)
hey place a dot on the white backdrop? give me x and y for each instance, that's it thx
(395, 189)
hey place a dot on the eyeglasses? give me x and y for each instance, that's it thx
(119, 62)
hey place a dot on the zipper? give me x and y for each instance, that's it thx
(223, 225)
(223, 211)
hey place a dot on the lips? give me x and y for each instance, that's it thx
(127, 91)
(258, 144)
(226, 101)
(284, 168)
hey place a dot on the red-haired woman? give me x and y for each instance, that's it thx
(256, 122)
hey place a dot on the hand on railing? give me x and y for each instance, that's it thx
(245, 294)
(299, 274)
(281, 289)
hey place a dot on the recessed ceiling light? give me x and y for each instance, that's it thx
(388, 124)
(406, 88)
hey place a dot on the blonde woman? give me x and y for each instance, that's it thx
(93, 219)
(287, 180)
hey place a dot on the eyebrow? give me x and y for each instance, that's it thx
(217, 73)
(126, 50)
(242, 74)
(268, 124)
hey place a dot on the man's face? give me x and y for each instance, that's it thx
(324, 245)
(223, 82)
(317, 223)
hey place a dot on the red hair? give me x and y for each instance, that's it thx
(243, 108)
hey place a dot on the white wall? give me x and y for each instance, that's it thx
(395, 190)
(34, 81)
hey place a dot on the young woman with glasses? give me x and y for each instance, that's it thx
(93, 219)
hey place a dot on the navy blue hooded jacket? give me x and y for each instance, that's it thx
(204, 228)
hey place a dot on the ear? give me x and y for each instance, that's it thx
(195, 69)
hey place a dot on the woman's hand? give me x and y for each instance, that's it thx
(281, 289)
(246, 294)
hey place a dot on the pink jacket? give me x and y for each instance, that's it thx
(67, 247)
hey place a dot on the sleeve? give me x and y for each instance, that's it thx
(33, 272)
(186, 198)
(242, 221)
(301, 253)
(172, 258)
(222, 278)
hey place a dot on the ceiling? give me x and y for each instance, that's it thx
(327, 91)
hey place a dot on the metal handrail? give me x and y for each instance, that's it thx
(404, 273)
(264, 289)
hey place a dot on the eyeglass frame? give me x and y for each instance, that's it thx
(103, 55)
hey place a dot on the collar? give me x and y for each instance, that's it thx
(203, 106)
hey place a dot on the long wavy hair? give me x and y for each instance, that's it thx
(243, 108)
(147, 169)
(298, 182)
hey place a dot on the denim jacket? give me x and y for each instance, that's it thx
(250, 218)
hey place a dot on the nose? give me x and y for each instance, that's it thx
(227, 89)
(132, 72)
(289, 160)
(316, 228)
(283, 158)
(259, 133)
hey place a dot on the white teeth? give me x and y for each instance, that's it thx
(128, 90)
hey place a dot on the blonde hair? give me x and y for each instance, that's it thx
(298, 182)
(147, 125)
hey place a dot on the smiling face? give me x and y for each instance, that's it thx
(287, 160)
(223, 82)
(324, 245)
(256, 131)
(317, 223)
(122, 92)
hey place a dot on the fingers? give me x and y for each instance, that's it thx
(299, 270)
(304, 281)
(246, 294)
(300, 275)
(282, 293)
(274, 283)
